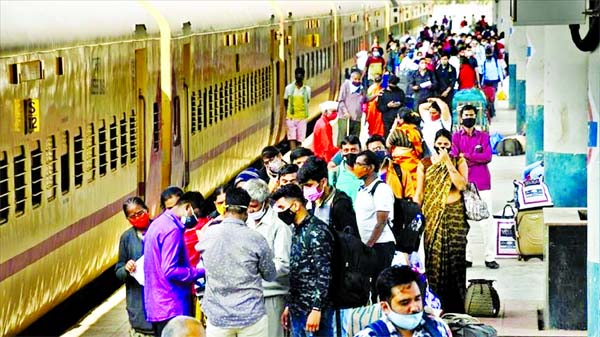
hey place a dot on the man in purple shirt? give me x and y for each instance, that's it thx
(168, 275)
(474, 146)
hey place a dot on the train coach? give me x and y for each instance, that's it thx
(102, 100)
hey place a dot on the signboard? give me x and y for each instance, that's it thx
(26, 115)
(547, 12)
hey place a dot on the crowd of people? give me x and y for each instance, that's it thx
(257, 259)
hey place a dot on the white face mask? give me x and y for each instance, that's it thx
(255, 216)
(405, 322)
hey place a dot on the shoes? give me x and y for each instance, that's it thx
(469, 264)
(492, 265)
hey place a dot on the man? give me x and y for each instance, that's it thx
(376, 144)
(374, 207)
(350, 106)
(323, 132)
(389, 104)
(340, 167)
(491, 76)
(272, 164)
(446, 74)
(423, 83)
(168, 274)
(308, 303)
(278, 234)
(402, 303)
(299, 155)
(296, 97)
(236, 259)
(474, 146)
(183, 326)
(287, 175)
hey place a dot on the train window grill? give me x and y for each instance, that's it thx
(132, 137)
(36, 176)
(209, 106)
(247, 90)
(78, 147)
(237, 63)
(114, 144)
(65, 175)
(52, 171)
(230, 105)
(90, 153)
(4, 200)
(102, 149)
(19, 180)
(194, 117)
(238, 94)
(252, 93)
(59, 66)
(124, 143)
(221, 101)
(177, 121)
(312, 64)
(155, 127)
(204, 106)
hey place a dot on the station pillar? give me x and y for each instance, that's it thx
(518, 58)
(534, 95)
(565, 118)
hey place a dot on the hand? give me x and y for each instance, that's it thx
(444, 94)
(444, 156)
(415, 87)
(130, 266)
(285, 319)
(313, 320)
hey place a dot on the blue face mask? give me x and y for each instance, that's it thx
(189, 221)
(405, 322)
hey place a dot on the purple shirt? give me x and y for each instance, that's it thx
(477, 161)
(168, 275)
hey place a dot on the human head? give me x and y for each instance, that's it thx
(136, 212)
(287, 175)
(442, 140)
(182, 326)
(376, 143)
(299, 155)
(329, 109)
(219, 195)
(188, 208)
(244, 176)
(434, 110)
(393, 80)
(399, 293)
(258, 190)
(375, 51)
(237, 201)
(299, 74)
(169, 197)
(350, 147)
(444, 58)
(355, 77)
(423, 63)
(468, 115)
(366, 164)
(272, 159)
(289, 201)
(409, 116)
(312, 177)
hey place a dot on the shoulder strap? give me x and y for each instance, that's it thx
(372, 192)
(380, 328)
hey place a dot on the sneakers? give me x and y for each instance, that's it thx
(492, 265)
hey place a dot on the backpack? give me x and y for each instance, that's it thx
(482, 298)
(509, 147)
(467, 326)
(381, 330)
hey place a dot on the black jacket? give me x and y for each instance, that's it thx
(342, 214)
(446, 77)
(391, 94)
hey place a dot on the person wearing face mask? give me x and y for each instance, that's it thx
(272, 164)
(423, 83)
(474, 146)
(435, 115)
(237, 260)
(309, 309)
(446, 74)
(263, 219)
(130, 250)
(374, 119)
(374, 207)
(349, 110)
(401, 301)
(391, 101)
(168, 273)
(440, 180)
(468, 75)
(492, 75)
(323, 144)
(340, 168)
(375, 65)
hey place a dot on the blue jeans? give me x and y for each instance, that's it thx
(299, 324)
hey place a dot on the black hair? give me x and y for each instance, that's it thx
(299, 70)
(409, 116)
(291, 191)
(375, 138)
(287, 169)
(445, 54)
(351, 140)
(269, 152)
(314, 168)
(300, 152)
(237, 200)
(436, 106)
(371, 159)
(443, 133)
(133, 201)
(195, 199)
(168, 193)
(394, 276)
(468, 107)
(393, 79)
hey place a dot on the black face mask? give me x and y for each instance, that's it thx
(468, 122)
(437, 149)
(287, 216)
(350, 158)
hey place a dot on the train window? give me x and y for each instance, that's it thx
(226, 99)
(64, 164)
(221, 101)
(155, 127)
(90, 153)
(78, 144)
(298, 62)
(114, 144)
(102, 149)
(253, 87)
(205, 96)
(237, 63)
(238, 94)
(52, 170)
(132, 137)
(210, 106)
(247, 90)
(194, 115)
(59, 66)
(230, 103)
(19, 180)
(123, 133)
(13, 74)
(36, 175)
(176, 121)
(313, 67)
(4, 201)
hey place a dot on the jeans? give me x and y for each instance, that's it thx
(299, 324)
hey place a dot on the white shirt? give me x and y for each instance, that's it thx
(431, 127)
(366, 207)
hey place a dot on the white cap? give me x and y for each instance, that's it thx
(328, 105)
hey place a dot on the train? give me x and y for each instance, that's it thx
(103, 100)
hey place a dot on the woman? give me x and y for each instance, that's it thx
(441, 179)
(130, 250)
(406, 147)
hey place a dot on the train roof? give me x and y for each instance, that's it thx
(28, 23)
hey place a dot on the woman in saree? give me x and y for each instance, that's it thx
(440, 180)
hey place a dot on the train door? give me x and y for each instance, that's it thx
(180, 121)
(187, 103)
(335, 62)
(278, 56)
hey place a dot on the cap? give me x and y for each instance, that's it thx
(245, 175)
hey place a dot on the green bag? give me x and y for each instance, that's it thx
(466, 326)
(482, 299)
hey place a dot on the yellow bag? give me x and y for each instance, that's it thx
(501, 96)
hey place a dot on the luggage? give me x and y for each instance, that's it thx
(475, 208)
(506, 244)
(509, 147)
(531, 194)
(530, 234)
(482, 299)
(467, 326)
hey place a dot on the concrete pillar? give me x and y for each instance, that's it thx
(518, 57)
(534, 95)
(565, 118)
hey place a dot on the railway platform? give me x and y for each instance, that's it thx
(520, 284)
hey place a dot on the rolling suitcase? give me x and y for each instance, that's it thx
(530, 234)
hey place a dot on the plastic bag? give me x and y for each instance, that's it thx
(501, 95)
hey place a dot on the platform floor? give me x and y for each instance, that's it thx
(520, 284)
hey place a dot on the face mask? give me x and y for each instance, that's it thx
(255, 216)
(376, 53)
(468, 122)
(141, 222)
(422, 65)
(312, 193)
(189, 221)
(360, 171)
(468, 54)
(405, 322)
(381, 154)
(437, 149)
(287, 216)
(350, 158)
(275, 165)
(356, 84)
(435, 116)
(221, 209)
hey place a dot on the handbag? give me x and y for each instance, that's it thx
(466, 326)
(505, 224)
(482, 299)
(476, 209)
(530, 194)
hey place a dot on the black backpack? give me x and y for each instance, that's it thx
(509, 147)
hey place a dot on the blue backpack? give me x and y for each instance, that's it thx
(381, 330)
